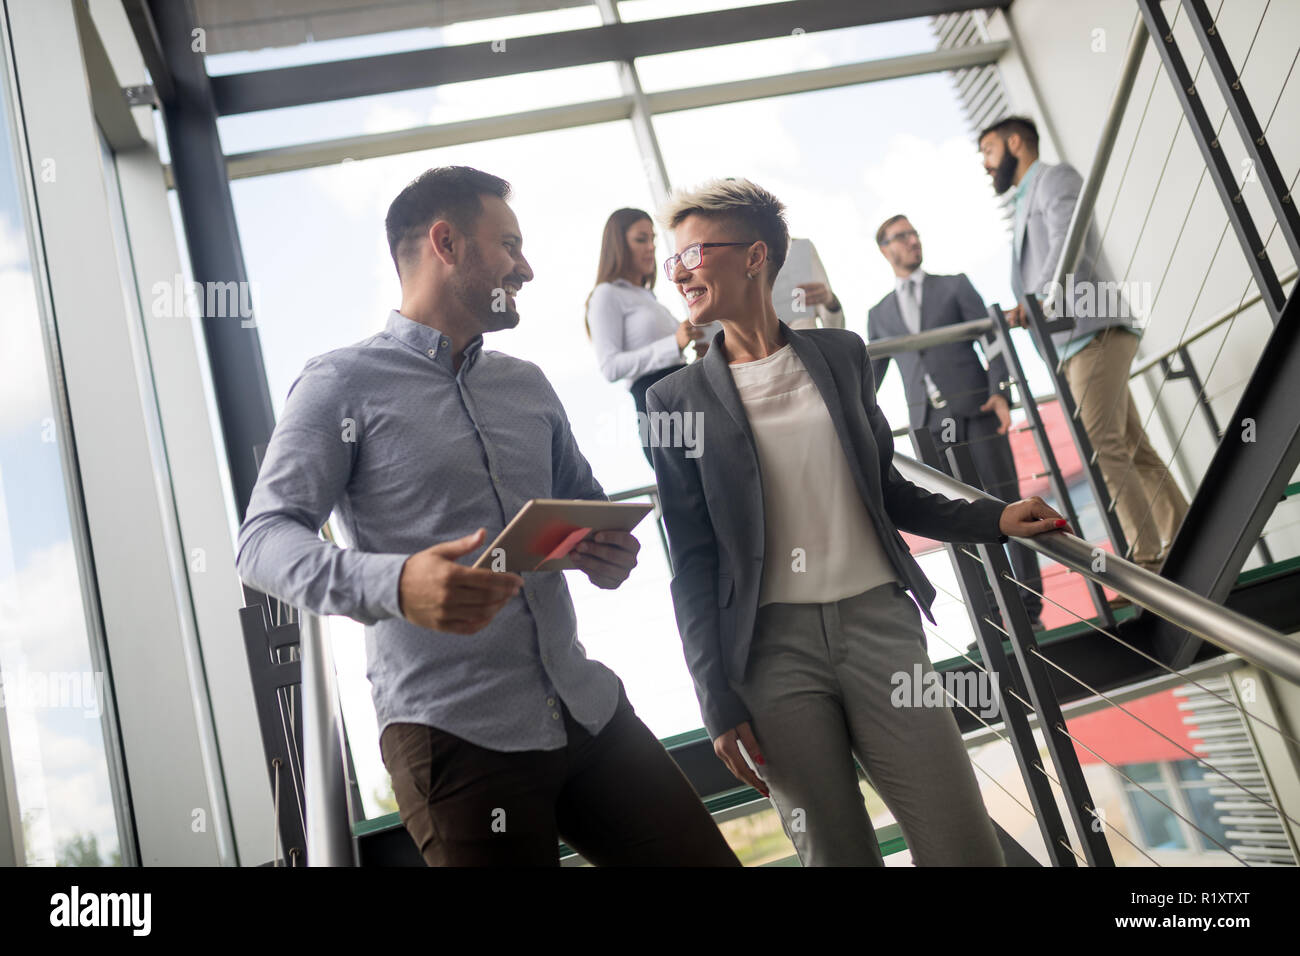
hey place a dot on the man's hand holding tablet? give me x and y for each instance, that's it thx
(442, 595)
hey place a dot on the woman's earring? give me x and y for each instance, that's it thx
(749, 275)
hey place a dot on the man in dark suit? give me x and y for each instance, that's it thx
(948, 388)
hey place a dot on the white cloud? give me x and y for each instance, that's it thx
(943, 189)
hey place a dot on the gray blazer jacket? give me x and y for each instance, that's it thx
(955, 369)
(1052, 197)
(713, 503)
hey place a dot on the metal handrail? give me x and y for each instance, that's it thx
(944, 335)
(1081, 221)
(1254, 642)
(329, 810)
(635, 493)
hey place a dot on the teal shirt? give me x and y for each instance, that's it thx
(1022, 204)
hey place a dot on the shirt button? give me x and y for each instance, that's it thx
(550, 702)
(432, 352)
(554, 716)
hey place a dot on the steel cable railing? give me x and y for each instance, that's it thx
(1233, 632)
(1117, 572)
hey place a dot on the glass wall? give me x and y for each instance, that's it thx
(53, 702)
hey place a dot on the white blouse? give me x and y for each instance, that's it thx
(632, 332)
(820, 542)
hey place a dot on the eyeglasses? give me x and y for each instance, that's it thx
(691, 256)
(905, 234)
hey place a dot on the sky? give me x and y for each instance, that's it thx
(842, 160)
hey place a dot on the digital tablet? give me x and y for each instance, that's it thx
(541, 536)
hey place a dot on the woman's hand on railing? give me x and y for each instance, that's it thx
(725, 746)
(1016, 316)
(1028, 517)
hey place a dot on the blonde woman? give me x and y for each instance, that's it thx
(790, 578)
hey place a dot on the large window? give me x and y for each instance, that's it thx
(53, 700)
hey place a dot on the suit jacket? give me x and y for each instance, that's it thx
(955, 369)
(1052, 196)
(713, 503)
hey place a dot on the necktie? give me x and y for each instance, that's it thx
(910, 306)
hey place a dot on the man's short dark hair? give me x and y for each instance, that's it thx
(1022, 126)
(453, 193)
(884, 228)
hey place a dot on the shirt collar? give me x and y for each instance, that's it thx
(430, 341)
(917, 276)
(1022, 190)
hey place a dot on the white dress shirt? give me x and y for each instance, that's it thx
(820, 542)
(908, 288)
(631, 331)
(803, 265)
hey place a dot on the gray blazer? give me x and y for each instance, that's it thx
(1053, 194)
(712, 501)
(955, 369)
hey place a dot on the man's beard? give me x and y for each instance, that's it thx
(480, 294)
(1005, 172)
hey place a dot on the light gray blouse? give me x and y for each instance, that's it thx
(632, 332)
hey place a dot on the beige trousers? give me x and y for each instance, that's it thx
(1147, 500)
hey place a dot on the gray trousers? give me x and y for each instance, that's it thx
(818, 688)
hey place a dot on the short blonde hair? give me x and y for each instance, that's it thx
(742, 203)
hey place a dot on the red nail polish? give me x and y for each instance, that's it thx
(1061, 522)
(761, 761)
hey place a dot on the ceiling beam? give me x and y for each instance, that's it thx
(283, 159)
(419, 69)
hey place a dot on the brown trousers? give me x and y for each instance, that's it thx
(1147, 500)
(616, 798)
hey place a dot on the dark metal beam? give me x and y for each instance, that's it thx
(1011, 693)
(1037, 682)
(1221, 171)
(1040, 330)
(199, 171)
(1243, 114)
(1242, 485)
(419, 69)
(146, 38)
(1046, 453)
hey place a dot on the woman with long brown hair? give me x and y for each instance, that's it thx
(637, 340)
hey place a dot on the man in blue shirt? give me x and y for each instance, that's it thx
(500, 735)
(1097, 351)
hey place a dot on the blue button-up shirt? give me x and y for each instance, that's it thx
(409, 452)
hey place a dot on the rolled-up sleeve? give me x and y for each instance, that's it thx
(307, 466)
(607, 317)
